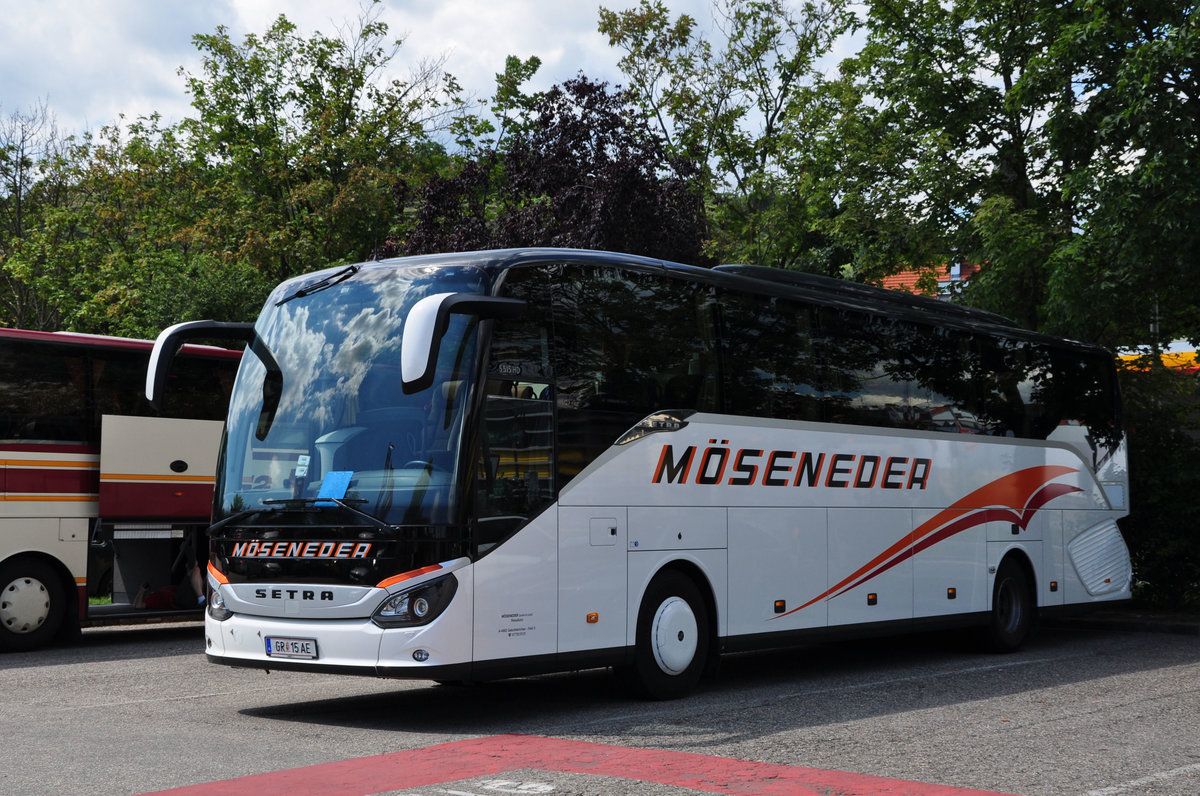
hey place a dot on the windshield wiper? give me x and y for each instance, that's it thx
(319, 502)
(321, 284)
(241, 515)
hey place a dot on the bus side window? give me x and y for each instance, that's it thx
(767, 359)
(627, 344)
(47, 398)
(117, 382)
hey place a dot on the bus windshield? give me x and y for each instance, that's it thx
(327, 419)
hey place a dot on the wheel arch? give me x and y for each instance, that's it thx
(695, 572)
(1017, 556)
(1013, 619)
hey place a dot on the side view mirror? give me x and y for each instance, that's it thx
(427, 322)
(169, 340)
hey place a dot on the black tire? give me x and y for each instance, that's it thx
(1014, 609)
(33, 603)
(673, 632)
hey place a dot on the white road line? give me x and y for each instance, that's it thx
(1136, 784)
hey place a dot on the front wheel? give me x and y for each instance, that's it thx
(32, 604)
(1014, 609)
(672, 637)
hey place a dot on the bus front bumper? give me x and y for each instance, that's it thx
(347, 646)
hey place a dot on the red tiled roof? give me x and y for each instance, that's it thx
(907, 280)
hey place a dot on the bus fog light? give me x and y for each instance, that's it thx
(418, 605)
(420, 656)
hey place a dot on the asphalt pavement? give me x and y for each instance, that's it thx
(1131, 618)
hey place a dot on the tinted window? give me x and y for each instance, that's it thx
(198, 387)
(58, 393)
(785, 359)
(768, 360)
(628, 344)
(43, 392)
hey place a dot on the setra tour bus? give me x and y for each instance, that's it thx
(469, 466)
(103, 500)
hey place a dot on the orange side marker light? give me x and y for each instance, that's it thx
(217, 574)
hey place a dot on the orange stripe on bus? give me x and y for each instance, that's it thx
(50, 498)
(403, 576)
(138, 477)
(35, 463)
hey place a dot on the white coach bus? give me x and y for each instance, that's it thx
(470, 466)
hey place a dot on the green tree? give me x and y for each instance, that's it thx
(292, 162)
(587, 172)
(28, 140)
(117, 255)
(1133, 274)
(749, 108)
(508, 115)
(1160, 418)
(307, 139)
(951, 157)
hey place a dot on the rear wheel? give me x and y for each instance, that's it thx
(32, 604)
(672, 637)
(1014, 609)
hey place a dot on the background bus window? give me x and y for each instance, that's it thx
(43, 394)
(199, 387)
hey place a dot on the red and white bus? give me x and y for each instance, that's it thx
(101, 497)
(470, 466)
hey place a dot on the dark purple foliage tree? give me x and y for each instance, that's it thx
(588, 174)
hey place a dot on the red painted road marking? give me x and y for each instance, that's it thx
(479, 757)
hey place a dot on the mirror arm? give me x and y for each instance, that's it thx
(169, 340)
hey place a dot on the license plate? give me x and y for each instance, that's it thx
(292, 647)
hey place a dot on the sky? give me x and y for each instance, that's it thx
(90, 61)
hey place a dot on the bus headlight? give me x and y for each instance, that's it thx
(417, 606)
(216, 606)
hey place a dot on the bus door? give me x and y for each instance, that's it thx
(156, 481)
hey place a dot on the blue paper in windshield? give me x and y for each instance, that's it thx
(335, 485)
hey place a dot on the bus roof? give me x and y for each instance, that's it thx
(870, 293)
(104, 341)
(813, 288)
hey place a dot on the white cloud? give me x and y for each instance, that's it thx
(93, 61)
